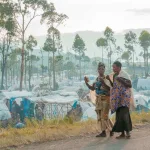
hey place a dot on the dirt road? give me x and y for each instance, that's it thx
(140, 141)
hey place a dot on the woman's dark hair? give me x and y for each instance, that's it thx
(100, 64)
(118, 64)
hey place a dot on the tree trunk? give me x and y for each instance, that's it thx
(6, 77)
(145, 61)
(108, 60)
(42, 65)
(2, 79)
(29, 73)
(13, 75)
(120, 57)
(68, 73)
(31, 70)
(49, 69)
(3, 64)
(22, 55)
(37, 72)
(6, 55)
(54, 82)
(102, 55)
(80, 68)
(25, 78)
(133, 65)
(18, 73)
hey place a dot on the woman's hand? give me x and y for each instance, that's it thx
(86, 79)
(108, 77)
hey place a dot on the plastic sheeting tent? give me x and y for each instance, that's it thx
(86, 109)
(141, 100)
(89, 114)
(4, 111)
(19, 97)
(9, 95)
(143, 84)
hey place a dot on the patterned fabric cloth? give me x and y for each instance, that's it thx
(102, 102)
(120, 96)
(102, 110)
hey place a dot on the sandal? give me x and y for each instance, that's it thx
(122, 136)
(128, 136)
(103, 134)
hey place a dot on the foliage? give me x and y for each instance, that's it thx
(86, 59)
(31, 43)
(53, 41)
(53, 45)
(102, 42)
(79, 45)
(119, 52)
(24, 12)
(130, 42)
(144, 40)
(126, 56)
(7, 33)
(79, 48)
(109, 35)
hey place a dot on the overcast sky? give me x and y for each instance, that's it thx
(95, 15)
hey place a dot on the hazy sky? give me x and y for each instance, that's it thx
(97, 14)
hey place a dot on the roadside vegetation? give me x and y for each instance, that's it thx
(36, 132)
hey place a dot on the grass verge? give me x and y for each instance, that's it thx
(45, 131)
(55, 130)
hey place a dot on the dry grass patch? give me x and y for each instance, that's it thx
(55, 130)
(45, 131)
(143, 117)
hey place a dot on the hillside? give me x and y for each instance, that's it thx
(90, 38)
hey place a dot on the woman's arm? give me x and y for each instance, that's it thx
(108, 78)
(91, 87)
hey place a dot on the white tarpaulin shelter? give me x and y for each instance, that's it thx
(8, 95)
(54, 99)
(144, 84)
(4, 112)
(140, 100)
(89, 114)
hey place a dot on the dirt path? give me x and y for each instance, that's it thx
(140, 141)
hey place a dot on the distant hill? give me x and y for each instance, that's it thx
(90, 38)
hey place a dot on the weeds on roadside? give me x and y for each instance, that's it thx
(55, 129)
(45, 130)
